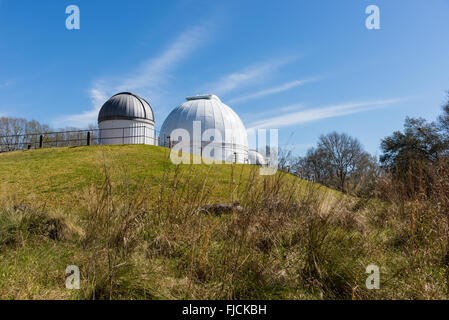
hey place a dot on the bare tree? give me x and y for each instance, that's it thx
(343, 155)
(313, 167)
(17, 133)
(339, 161)
(443, 121)
(11, 130)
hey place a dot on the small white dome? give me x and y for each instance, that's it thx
(213, 114)
(256, 158)
(126, 118)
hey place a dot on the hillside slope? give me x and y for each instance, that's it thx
(61, 187)
(129, 220)
(61, 173)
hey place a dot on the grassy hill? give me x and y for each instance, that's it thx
(129, 219)
(60, 173)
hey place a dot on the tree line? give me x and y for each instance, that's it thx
(339, 161)
(19, 133)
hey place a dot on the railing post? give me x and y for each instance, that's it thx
(169, 142)
(41, 141)
(88, 138)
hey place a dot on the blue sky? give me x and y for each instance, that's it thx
(304, 67)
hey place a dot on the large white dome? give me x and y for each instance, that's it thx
(213, 114)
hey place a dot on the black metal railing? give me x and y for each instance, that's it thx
(73, 138)
(124, 135)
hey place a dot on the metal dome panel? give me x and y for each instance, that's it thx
(126, 106)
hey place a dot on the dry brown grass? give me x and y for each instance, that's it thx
(290, 240)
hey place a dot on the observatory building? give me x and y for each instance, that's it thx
(213, 129)
(256, 158)
(208, 112)
(126, 118)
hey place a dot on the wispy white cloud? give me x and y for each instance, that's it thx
(247, 76)
(250, 117)
(153, 71)
(293, 107)
(305, 116)
(266, 92)
(145, 80)
(98, 97)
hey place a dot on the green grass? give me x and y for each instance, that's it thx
(127, 217)
(62, 173)
(60, 179)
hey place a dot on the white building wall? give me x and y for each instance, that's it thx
(127, 132)
(217, 151)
